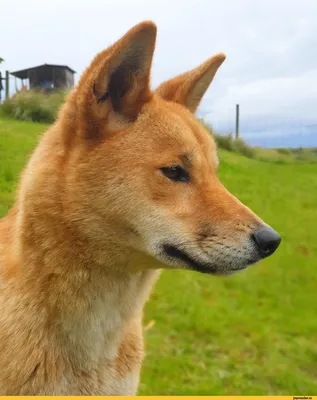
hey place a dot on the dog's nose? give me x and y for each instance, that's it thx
(267, 240)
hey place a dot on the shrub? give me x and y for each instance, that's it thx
(284, 151)
(224, 141)
(228, 143)
(243, 148)
(29, 105)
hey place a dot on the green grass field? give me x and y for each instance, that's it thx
(251, 334)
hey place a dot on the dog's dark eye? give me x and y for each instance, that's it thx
(176, 173)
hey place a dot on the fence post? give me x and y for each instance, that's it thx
(7, 84)
(237, 120)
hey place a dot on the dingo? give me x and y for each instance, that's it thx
(124, 183)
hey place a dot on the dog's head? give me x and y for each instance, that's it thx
(147, 168)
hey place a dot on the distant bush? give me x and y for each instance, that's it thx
(243, 148)
(284, 151)
(224, 141)
(227, 142)
(29, 105)
(297, 151)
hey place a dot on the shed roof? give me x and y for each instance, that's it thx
(23, 73)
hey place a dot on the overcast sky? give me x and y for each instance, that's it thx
(271, 47)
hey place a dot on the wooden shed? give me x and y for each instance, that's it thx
(47, 76)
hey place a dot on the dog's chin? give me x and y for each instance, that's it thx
(180, 259)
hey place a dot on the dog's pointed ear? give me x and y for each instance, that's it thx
(118, 79)
(189, 88)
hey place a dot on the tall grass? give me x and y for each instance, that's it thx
(34, 106)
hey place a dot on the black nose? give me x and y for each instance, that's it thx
(267, 240)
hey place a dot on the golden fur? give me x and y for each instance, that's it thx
(81, 247)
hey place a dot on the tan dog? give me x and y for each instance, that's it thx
(123, 184)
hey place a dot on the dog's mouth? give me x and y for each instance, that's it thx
(174, 253)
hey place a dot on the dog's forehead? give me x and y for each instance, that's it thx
(176, 129)
(173, 121)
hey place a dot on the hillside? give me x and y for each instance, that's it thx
(251, 334)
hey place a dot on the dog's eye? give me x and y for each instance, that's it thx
(176, 173)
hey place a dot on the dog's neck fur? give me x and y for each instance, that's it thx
(84, 286)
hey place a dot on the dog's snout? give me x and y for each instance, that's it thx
(267, 240)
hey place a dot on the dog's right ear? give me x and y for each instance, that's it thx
(189, 88)
(118, 79)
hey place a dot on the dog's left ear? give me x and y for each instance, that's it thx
(188, 88)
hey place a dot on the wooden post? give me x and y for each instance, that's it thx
(7, 84)
(237, 120)
(1, 87)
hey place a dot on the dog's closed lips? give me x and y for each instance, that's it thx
(175, 253)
